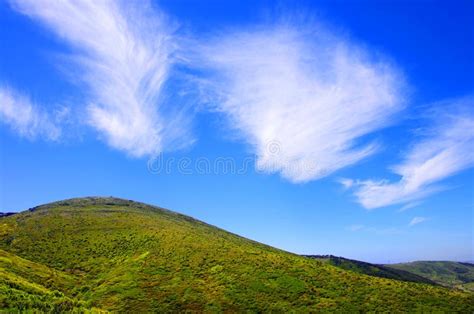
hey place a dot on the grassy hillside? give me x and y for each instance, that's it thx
(451, 274)
(372, 269)
(118, 255)
(26, 285)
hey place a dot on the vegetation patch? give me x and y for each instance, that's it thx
(109, 254)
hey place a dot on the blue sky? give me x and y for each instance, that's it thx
(354, 118)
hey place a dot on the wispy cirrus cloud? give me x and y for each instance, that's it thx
(356, 227)
(125, 54)
(376, 230)
(26, 118)
(446, 150)
(417, 220)
(301, 97)
(409, 206)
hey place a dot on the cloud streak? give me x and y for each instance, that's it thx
(303, 98)
(417, 220)
(356, 227)
(447, 150)
(125, 54)
(379, 231)
(25, 118)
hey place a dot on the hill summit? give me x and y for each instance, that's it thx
(118, 255)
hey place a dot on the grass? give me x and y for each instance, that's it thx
(450, 274)
(376, 270)
(26, 285)
(117, 255)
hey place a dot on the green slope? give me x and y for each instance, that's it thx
(372, 269)
(28, 285)
(125, 256)
(450, 274)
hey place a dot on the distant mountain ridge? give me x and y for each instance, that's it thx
(4, 214)
(377, 270)
(123, 256)
(451, 274)
(446, 273)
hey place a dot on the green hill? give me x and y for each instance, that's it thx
(372, 269)
(27, 285)
(450, 274)
(118, 255)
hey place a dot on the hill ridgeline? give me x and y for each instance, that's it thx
(109, 254)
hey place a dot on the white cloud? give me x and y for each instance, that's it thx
(385, 231)
(417, 220)
(409, 206)
(346, 183)
(302, 98)
(356, 227)
(447, 150)
(25, 118)
(125, 54)
(378, 231)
